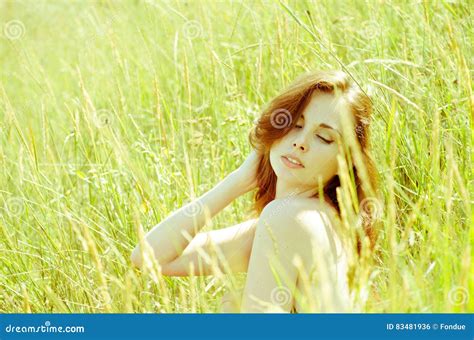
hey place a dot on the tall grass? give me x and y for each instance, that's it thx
(115, 113)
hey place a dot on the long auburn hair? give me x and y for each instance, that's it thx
(292, 102)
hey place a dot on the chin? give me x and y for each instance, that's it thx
(286, 175)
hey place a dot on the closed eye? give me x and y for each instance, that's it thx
(320, 137)
(325, 140)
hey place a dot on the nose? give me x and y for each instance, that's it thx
(301, 144)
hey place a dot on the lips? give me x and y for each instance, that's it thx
(292, 161)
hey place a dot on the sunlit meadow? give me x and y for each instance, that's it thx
(115, 113)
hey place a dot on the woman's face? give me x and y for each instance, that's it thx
(312, 142)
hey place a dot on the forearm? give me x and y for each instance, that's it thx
(170, 237)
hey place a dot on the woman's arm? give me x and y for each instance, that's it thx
(226, 250)
(170, 237)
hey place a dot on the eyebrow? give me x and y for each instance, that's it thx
(323, 125)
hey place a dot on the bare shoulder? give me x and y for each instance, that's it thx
(305, 219)
(324, 209)
(297, 207)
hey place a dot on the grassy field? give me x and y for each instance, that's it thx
(115, 113)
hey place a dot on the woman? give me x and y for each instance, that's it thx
(293, 251)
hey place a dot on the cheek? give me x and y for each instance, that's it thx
(323, 164)
(273, 154)
(276, 148)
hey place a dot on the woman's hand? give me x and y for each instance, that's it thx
(246, 174)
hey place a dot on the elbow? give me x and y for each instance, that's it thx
(136, 257)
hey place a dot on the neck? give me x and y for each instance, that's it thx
(284, 189)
